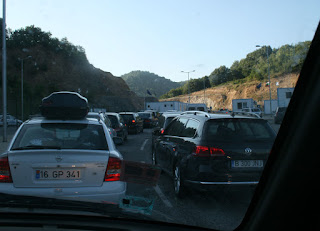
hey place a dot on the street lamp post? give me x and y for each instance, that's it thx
(22, 59)
(188, 83)
(268, 74)
(4, 73)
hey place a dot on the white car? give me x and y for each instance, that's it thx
(105, 119)
(256, 111)
(11, 121)
(65, 159)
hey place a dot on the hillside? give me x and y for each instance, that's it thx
(141, 82)
(221, 96)
(57, 65)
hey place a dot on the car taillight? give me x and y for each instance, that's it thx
(5, 174)
(133, 121)
(208, 151)
(113, 169)
(162, 131)
(147, 121)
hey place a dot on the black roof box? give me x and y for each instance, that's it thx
(64, 105)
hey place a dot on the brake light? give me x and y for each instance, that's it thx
(208, 151)
(113, 169)
(162, 131)
(133, 121)
(5, 174)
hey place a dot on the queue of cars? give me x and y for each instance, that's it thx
(199, 150)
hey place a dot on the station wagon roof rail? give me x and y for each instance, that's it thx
(196, 113)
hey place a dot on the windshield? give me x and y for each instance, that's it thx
(114, 121)
(239, 60)
(145, 115)
(238, 130)
(61, 136)
(127, 117)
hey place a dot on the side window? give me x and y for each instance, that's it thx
(121, 120)
(177, 127)
(191, 128)
(161, 121)
(288, 95)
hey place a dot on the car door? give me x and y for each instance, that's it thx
(169, 142)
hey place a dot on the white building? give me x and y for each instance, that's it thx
(166, 105)
(274, 105)
(284, 96)
(239, 104)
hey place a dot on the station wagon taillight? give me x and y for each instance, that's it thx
(113, 169)
(5, 174)
(133, 121)
(208, 151)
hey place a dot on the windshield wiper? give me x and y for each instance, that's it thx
(33, 202)
(36, 147)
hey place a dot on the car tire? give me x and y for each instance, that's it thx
(179, 189)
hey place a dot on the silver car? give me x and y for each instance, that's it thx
(105, 119)
(66, 159)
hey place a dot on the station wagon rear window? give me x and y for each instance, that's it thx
(238, 130)
(61, 136)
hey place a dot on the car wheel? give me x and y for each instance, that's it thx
(178, 186)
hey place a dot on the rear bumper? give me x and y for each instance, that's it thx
(109, 192)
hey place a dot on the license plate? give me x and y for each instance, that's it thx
(247, 163)
(58, 174)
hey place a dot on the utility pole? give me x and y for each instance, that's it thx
(188, 83)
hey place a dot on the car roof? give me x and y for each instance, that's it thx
(80, 121)
(111, 113)
(166, 115)
(207, 116)
(129, 113)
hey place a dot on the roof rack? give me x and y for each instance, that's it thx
(244, 113)
(196, 113)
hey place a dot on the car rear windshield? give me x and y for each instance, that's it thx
(61, 136)
(114, 121)
(127, 117)
(238, 130)
(145, 115)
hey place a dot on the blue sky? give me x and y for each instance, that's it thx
(168, 36)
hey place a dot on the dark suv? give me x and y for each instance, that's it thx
(205, 150)
(133, 121)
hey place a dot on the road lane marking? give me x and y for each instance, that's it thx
(144, 144)
(162, 196)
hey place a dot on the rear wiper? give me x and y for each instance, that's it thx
(36, 147)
